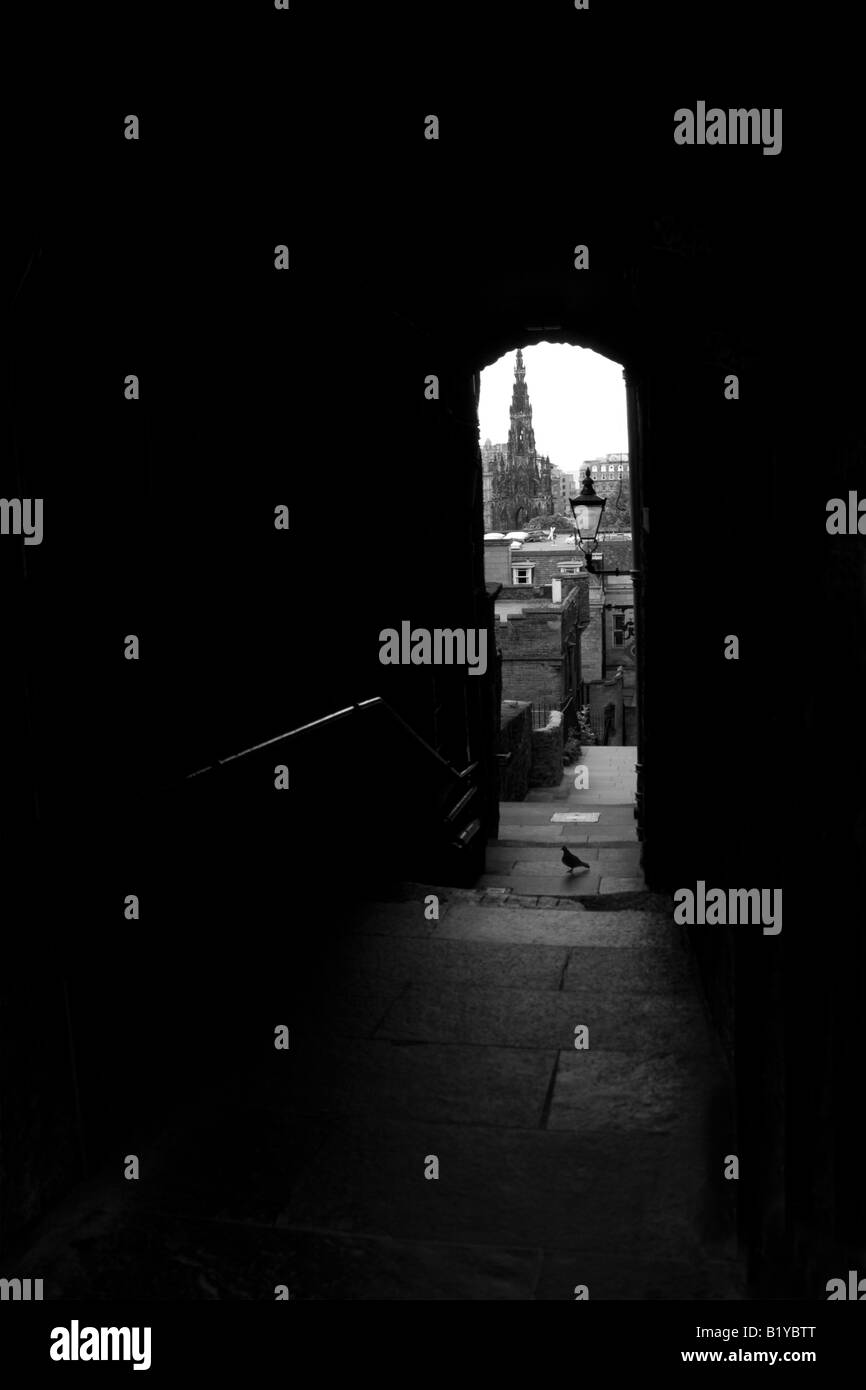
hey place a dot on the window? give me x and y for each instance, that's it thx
(619, 629)
(521, 574)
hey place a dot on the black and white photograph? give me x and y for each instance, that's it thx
(433, 566)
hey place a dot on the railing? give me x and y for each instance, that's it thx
(327, 723)
(541, 712)
(361, 779)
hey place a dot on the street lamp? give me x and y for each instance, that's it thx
(587, 508)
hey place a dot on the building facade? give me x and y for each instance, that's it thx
(610, 478)
(563, 486)
(609, 468)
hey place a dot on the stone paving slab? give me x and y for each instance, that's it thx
(164, 1255)
(631, 1093)
(504, 1086)
(148, 1255)
(391, 919)
(518, 813)
(608, 972)
(483, 1018)
(542, 1188)
(489, 963)
(510, 835)
(619, 1277)
(501, 857)
(593, 799)
(652, 1024)
(612, 835)
(543, 1019)
(621, 885)
(623, 862)
(616, 856)
(364, 1268)
(553, 867)
(622, 930)
(348, 1012)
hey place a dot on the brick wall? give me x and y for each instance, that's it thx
(532, 644)
(532, 681)
(515, 737)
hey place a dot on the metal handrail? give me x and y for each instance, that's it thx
(328, 720)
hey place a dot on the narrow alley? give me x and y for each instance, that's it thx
(554, 1061)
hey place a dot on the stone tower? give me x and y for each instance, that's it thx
(521, 436)
(520, 481)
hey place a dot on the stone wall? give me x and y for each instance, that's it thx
(602, 694)
(39, 1153)
(547, 754)
(591, 642)
(515, 737)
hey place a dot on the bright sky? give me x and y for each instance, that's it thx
(577, 398)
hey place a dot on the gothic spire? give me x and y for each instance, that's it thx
(521, 438)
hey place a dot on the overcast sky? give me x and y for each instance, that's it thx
(577, 398)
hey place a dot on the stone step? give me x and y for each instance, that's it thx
(551, 884)
(504, 855)
(539, 812)
(632, 930)
(607, 836)
(654, 1023)
(640, 1196)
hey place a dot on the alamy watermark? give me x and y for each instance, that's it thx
(444, 646)
(75, 1343)
(720, 907)
(21, 1290)
(736, 126)
(22, 516)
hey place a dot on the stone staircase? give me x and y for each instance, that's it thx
(596, 822)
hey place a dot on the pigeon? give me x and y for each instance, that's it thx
(572, 861)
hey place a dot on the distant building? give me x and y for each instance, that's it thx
(563, 486)
(541, 610)
(608, 469)
(516, 478)
(610, 478)
(609, 644)
(490, 453)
